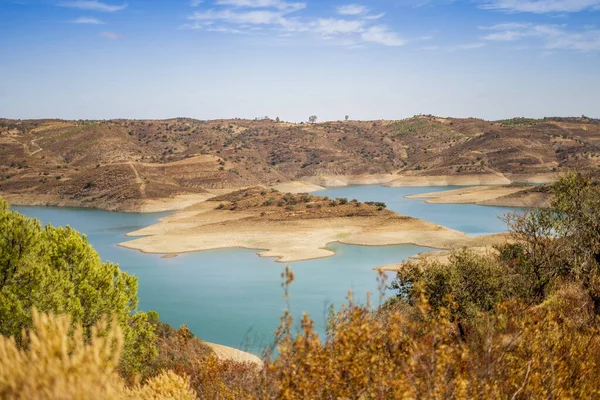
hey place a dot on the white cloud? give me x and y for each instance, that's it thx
(233, 17)
(507, 26)
(554, 37)
(374, 17)
(506, 36)
(380, 34)
(277, 4)
(196, 3)
(87, 20)
(92, 5)
(352, 9)
(283, 18)
(458, 47)
(541, 6)
(333, 26)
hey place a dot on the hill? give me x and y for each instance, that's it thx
(142, 165)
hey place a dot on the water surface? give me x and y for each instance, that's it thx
(233, 297)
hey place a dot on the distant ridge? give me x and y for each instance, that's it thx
(140, 165)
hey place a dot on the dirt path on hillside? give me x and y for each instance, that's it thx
(138, 180)
(34, 144)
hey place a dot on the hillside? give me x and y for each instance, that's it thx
(129, 164)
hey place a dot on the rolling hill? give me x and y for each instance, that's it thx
(127, 164)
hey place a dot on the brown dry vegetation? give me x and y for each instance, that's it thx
(118, 164)
(520, 323)
(275, 206)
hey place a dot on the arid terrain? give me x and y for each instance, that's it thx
(291, 227)
(145, 165)
(516, 195)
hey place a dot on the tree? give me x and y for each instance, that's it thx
(312, 119)
(468, 284)
(277, 120)
(561, 242)
(347, 117)
(56, 270)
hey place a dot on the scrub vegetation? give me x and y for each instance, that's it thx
(123, 164)
(518, 323)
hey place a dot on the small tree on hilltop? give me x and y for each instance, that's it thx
(312, 119)
(347, 117)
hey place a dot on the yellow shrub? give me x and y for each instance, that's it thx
(59, 364)
(515, 352)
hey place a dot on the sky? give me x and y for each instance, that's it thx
(376, 59)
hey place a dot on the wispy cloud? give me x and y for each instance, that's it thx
(541, 6)
(111, 35)
(553, 37)
(457, 47)
(354, 27)
(374, 17)
(332, 26)
(92, 5)
(352, 9)
(262, 17)
(196, 3)
(382, 35)
(87, 20)
(277, 4)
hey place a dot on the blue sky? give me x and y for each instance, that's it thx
(377, 59)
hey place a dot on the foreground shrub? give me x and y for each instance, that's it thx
(415, 352)
(57, 271)
(56, 363)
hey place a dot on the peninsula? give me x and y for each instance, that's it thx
(291, 227)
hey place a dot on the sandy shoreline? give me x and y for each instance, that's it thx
(471, 195)
(203, 227)
(395, 180)
(484, 245)
(502, 196)
(232, 354)
(306, 185)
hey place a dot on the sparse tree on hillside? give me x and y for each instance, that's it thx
(277, 120)
(312, 119)
(347, 117)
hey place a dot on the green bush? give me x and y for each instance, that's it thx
(55, 270)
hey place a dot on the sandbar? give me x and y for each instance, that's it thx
(504, 196)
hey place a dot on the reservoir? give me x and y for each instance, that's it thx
(232, 296)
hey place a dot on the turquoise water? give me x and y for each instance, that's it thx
(233, 297)
(468, 218)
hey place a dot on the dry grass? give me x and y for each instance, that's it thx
(59, 364)
(185, 156)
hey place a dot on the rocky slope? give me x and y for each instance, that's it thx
(129, 164)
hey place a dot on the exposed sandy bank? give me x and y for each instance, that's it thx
(178, 202)
(298, 187)
(504, 196)
(288, 234)
(345, 180)
(449, 180)
(41, 200)
(480, 245)
(534, 178)
(231, 354)
(470, 195)
(395, 180)
(131, 205)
